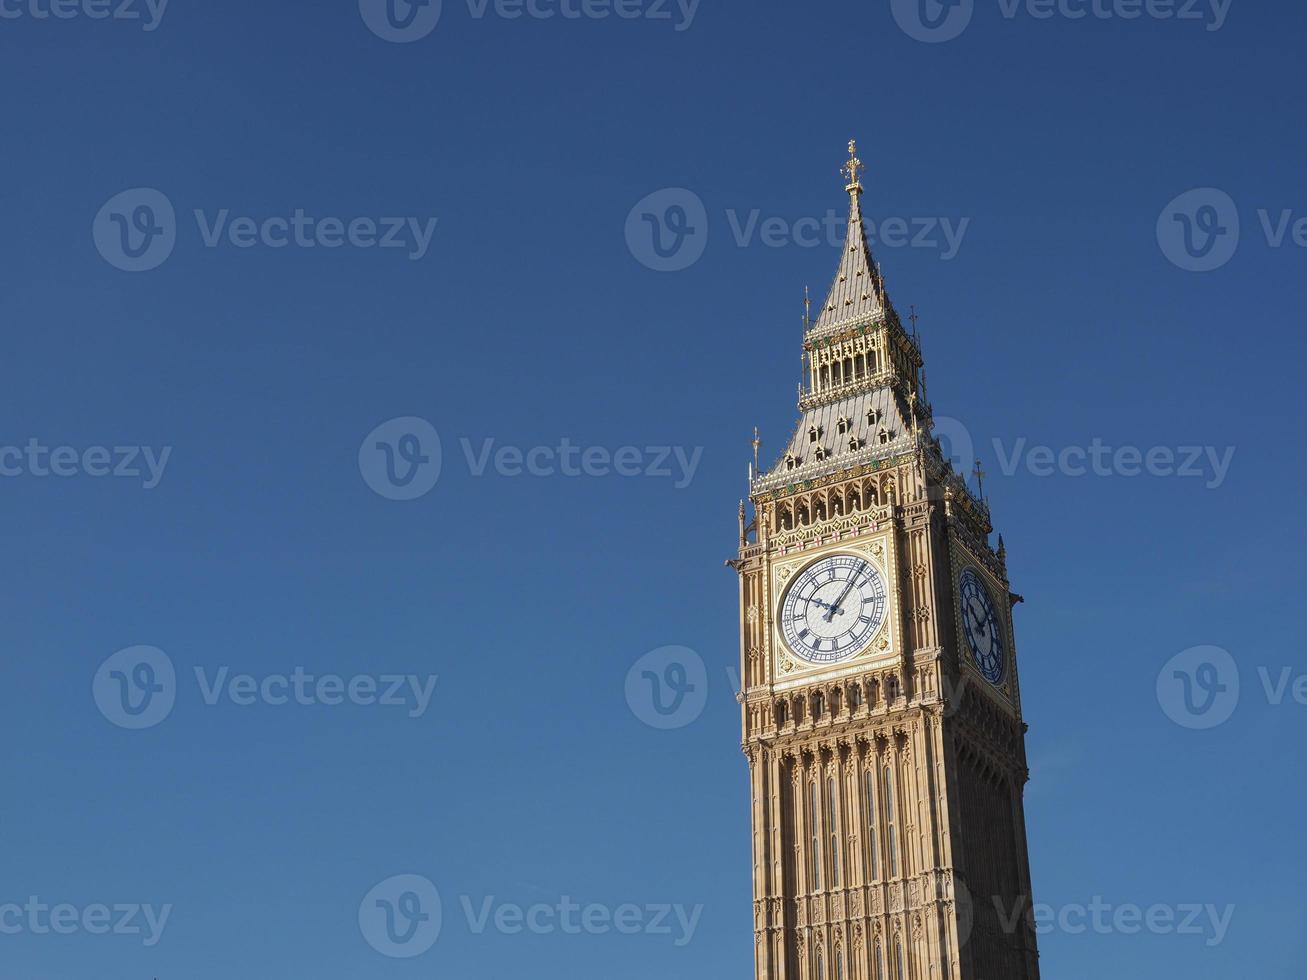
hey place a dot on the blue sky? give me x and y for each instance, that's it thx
(526, 316)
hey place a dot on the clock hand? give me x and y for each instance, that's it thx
(840, 601)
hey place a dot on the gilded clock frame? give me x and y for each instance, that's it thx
(790, 670)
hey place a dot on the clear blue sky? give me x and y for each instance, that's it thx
(528, 320)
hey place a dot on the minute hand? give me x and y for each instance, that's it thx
(838, 603)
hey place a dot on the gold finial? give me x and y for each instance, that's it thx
(853, 169)
(757, 443)
(980, 480)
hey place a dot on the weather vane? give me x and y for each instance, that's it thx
(853, 169)
(980, 480)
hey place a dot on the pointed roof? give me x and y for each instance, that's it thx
(858, 291)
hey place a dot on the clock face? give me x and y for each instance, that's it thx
(981, 626)
(833, 609)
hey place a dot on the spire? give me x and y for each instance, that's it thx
(857, 291)
(853, 170)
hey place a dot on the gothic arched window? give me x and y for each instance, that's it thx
(891, 823)
(873, 871)
(900, 973)
(833, 830)
(880, 961)
(814, 815)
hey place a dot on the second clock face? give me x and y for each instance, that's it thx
(833, 609)
(981, 625)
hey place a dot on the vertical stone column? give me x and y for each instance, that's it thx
(759, 765)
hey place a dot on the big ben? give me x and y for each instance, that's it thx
(881, 703)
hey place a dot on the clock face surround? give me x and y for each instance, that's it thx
(981, 626)
(833, 609)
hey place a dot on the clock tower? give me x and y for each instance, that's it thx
(880, 696)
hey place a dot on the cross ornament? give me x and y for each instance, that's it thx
(853, 168)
